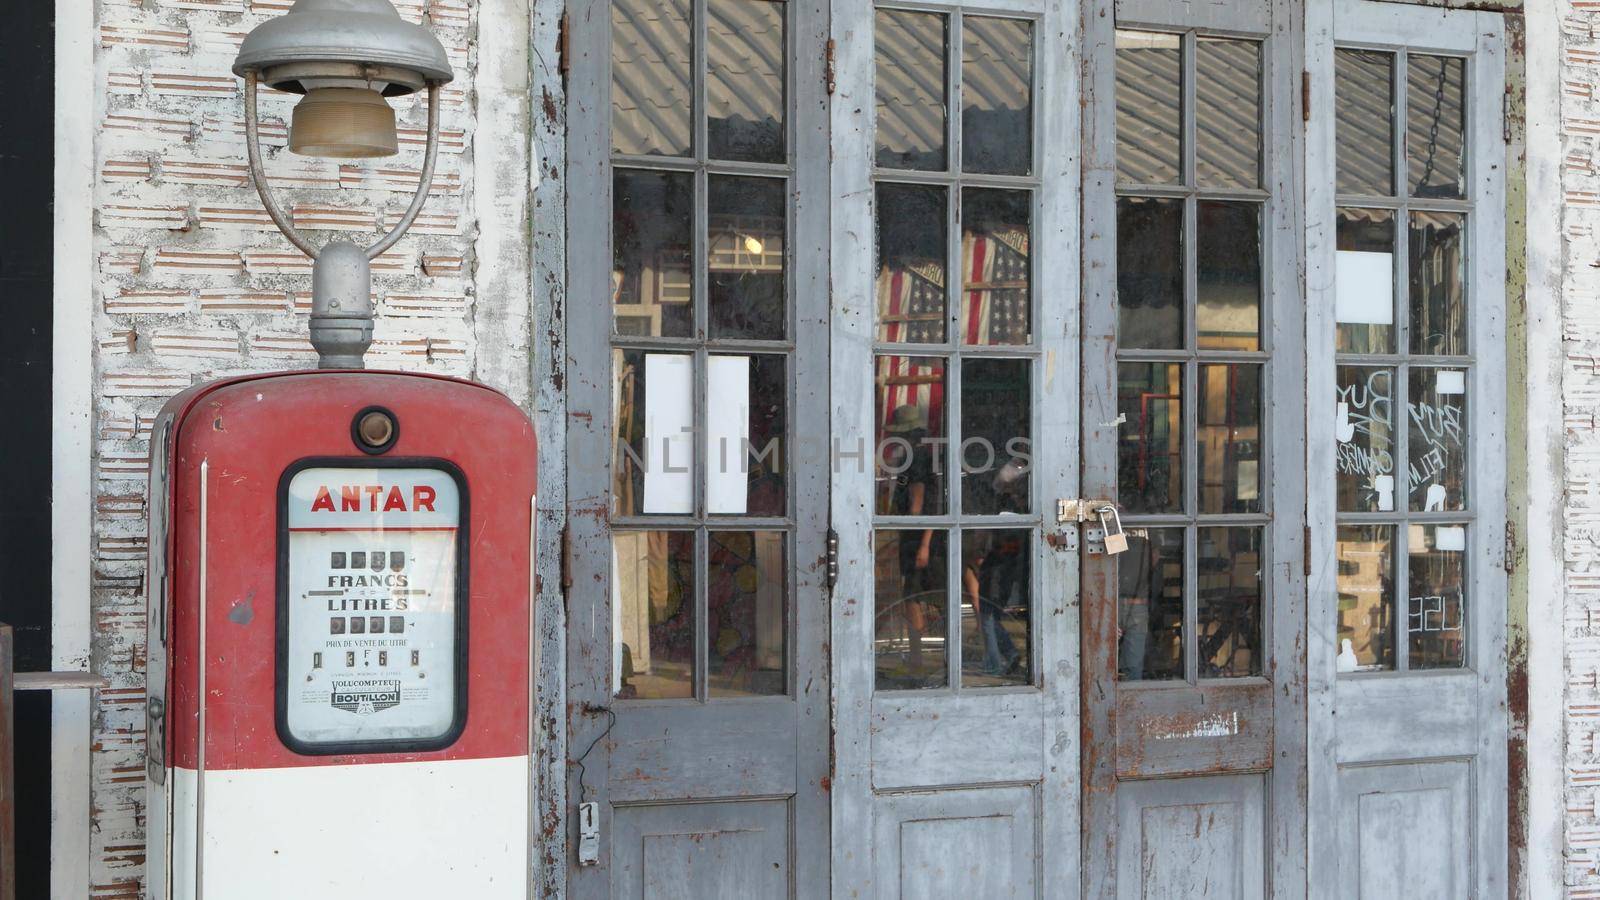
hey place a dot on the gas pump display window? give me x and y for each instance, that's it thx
(371, 606)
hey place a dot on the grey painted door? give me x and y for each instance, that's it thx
(697, 402)
(955, 398)
(1192, 411)
(1406, 342)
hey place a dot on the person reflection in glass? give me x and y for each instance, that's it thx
(995, 576)
(917, 479)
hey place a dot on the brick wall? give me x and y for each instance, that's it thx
(194, 282)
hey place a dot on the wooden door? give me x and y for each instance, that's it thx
(1192, 411)
(954, 434)
(1406, 457)
(697, 398)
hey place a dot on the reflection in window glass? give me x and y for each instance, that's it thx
(912, 250)
(1150, 607)
(651, 77)
(1436, 442)
(653, 594)
(1228, 275)
(746, 428)
(1228, 598)
(745, 257)
(1149, 273)
(995, 606)
(910, 461)
(996, 447)
(744, 80)
(746, 613)
(1363, 87)
(996, 96)
(995, 266)
(1436, 118)
(1436, 607)
(1364, 281)
(1229, 438)
(652, 461)
(1149, 107)
(911, 90)
(1364, 427)
(1227, 115)
(1150, 440)
(1438, 294)
(910, 572)
(652, 276)
(1365, 556)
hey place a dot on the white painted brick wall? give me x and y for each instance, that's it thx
(194, 283)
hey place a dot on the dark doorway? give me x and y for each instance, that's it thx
(27, 69)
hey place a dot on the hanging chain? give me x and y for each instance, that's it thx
(1433, 129)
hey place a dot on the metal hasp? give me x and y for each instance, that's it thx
(361, 44)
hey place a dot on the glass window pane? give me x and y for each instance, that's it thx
(1149, 274)
(1229, 439)
(912, 251)
(1228, 275)
(652, 66)
(746, 425)
(745, 256)
(911, 89)
(1149, 108)
(747, 613)
(1366, 597)
(744, 80)
(1437, 410)
(1364, 281)
(652, 464)
(652, 272)
(1363, 86)
(995, 266)
(910, 575)
(1436, 124)
(1438, 290)
(1229, 602)
(910, 459)
(996, 590)
(1150, 607)
(1364, 426)
(996, 96)
(996, 442)
(1227, 113)
(1150, 439)
(653, 591)
(1436, 605)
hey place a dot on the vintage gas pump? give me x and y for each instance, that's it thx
(340, 578)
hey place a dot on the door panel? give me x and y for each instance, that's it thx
(1191, 838)
(956, 843)
(1406, 824)
(955, 392)
(697, 850)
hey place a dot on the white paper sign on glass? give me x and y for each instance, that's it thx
(727, 434)
(668, 426)
(1364, 287)
(371, 605)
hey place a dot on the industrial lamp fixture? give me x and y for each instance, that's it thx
(346, 57)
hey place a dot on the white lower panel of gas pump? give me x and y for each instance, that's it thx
(392, 830)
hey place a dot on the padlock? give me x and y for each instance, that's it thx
(1111, 524)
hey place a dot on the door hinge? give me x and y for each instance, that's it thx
(1511, 547)
(1505, 115)
(1305, 96)
(827, 67)
(563, 37)
(833, 558)
(566, 559)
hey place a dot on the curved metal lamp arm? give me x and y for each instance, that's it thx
(252, 139)
(430, 157)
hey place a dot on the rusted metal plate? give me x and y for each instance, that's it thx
(1194, 731)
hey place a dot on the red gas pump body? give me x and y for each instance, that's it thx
(257, 477)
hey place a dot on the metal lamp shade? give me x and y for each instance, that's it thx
(343, 43)
(343, 123)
